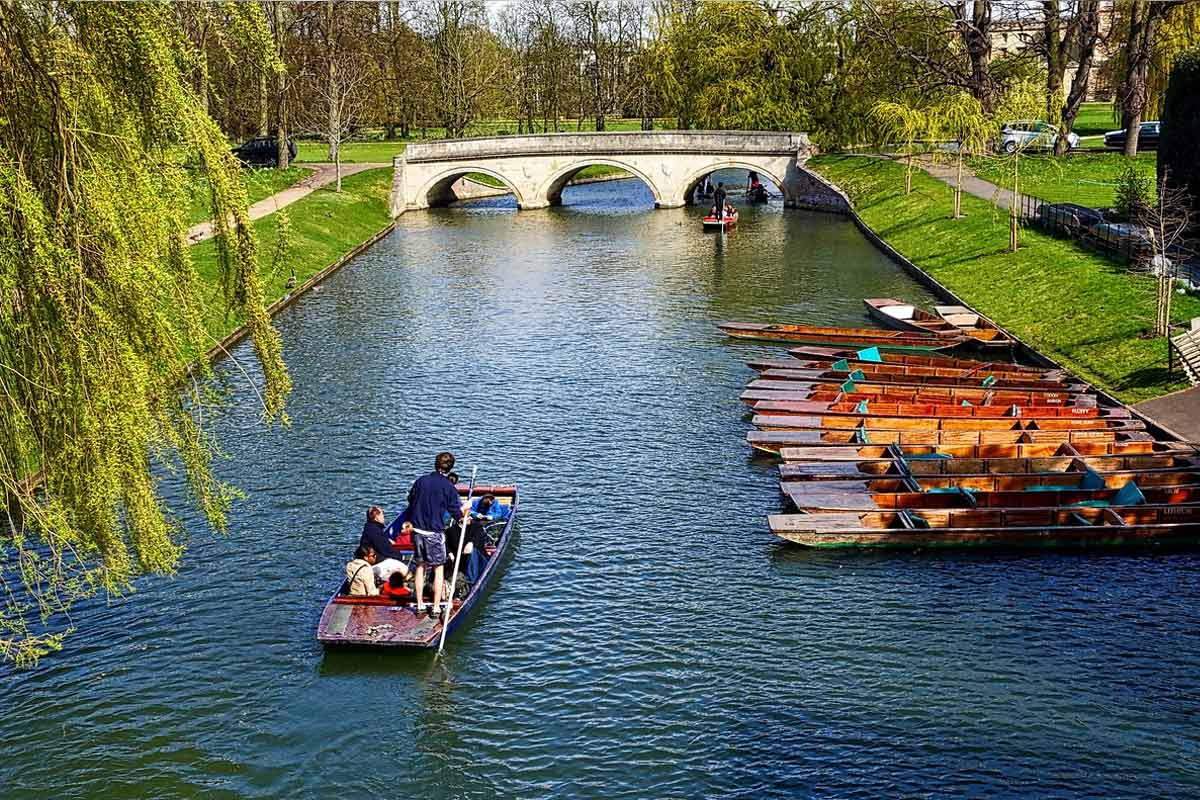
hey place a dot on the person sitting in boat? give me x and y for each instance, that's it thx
(360, 575)
(430, 496)
(728, 210)
(395, 588)
(719, 201)
(487, 508)
(754, 182)
(390, 557)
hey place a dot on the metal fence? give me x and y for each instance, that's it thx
(1126, 242)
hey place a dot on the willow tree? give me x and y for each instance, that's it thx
(959, 117)
(101, 310)
(906, 124)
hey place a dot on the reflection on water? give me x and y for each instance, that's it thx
(649, 637)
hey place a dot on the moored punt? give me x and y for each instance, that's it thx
(767, 389)
(906, 316)
(820, 470)
(965, 319)
(774, 440)
(914, 359)
(1023, 527)
(936, 411)
(994, 491)
(845, 337)
(376, 622)
(809, 371)
(953, 452)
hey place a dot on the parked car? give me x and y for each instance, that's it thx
(1026, 134)
(1147, 137)
(1069, 216)
(1124, 237)
(262, 152)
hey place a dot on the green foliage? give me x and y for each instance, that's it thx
(1089, 179)
(1060, 298)
(100, 312)
(1016, 68)
(1135, 191)
(1179, 143)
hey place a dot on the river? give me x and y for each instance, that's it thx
(648, 637)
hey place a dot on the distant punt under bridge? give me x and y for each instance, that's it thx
(671, 164)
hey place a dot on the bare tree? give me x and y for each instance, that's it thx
(1166, 227)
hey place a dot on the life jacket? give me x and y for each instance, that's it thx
(403, 541)
(403, 593)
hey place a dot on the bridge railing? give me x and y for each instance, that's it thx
(625, 142)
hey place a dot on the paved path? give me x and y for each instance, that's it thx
(322, 174)
(947, 173)
(1179, 411)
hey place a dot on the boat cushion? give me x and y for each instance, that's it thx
(1129, 495)
(870, 354)
(899, 312)
(841, 365)
(857, 375)
(1091, 481)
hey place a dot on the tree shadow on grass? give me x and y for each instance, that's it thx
(1156, 377)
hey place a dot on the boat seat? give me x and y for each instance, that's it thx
(1129, 495)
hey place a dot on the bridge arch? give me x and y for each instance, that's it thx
(551, 190)
(690, 184)
(438, 191)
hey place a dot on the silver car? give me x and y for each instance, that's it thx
(1030, 134)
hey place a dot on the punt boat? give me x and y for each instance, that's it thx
(951, 453)
(908, 317)
(1009, 527)
(711, 223)
(908, 376)
(379, 622)
(781, 439)
(1032, 490)
(927, 467)
(936, 411)
(845, 337)
(769, 389)
(874, 356)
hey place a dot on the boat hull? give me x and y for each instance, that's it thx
(841, 337)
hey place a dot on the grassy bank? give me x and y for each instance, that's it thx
(260, 184)
(1076, 307)
(325, 225)
(1089, 179)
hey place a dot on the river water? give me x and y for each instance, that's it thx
(648, 637)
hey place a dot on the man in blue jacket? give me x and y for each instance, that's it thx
(430, 497)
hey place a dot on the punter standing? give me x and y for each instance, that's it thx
(719, 200)
(430, 498)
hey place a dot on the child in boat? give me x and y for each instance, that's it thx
(395, 589)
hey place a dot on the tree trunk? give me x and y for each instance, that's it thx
(958, 187)
(1086, 38)
(1014, 235)
(1138, 50)
(264, 105)
(973, 18)
(1055, 46)
(334, 130)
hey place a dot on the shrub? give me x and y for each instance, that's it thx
(1135, 192)
(1179, 142)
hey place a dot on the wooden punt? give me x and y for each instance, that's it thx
(768, 389)
(960, 452)
(801, 371)
(376, 622)
(935, 411)
(777, 440)
(813, 353)
(1023, 527)
(990, 491)
(908, 317)
(922, 467)
(845, 337)
(870, 424)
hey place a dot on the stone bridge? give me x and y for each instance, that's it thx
(536, 168)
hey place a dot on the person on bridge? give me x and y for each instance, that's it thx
(719, 201)
(430, 497)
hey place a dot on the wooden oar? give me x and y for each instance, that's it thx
(457, 559)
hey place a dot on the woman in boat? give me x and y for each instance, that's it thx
(360, 575)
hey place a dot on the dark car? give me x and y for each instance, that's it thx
(1068, 216)
(1128, 238)
(1147, 138)
(262, 152)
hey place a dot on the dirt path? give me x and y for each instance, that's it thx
(972, 185)
(321, 175)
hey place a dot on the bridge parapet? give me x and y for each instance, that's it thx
(537, 167)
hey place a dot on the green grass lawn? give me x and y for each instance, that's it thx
(260, 184)
(1095, 119)
(325, 225)
(1080, 309)
(1089, 179)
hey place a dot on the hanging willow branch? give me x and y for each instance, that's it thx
(100, 309)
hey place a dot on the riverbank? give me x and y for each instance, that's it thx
(1075, 306)
(325, 228)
